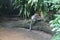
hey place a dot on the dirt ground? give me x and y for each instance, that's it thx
(22, 34)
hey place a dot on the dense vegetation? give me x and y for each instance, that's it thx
(27, 8)
(55, 26)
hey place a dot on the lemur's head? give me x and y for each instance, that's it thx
(37, 13)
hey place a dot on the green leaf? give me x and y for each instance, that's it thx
(21, 11)
(28, 14)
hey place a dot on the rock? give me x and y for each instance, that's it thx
(38, 26)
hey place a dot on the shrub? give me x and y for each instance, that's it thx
(55, 26)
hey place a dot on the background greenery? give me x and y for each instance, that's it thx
(24, 8)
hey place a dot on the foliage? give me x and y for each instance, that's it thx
(55, 26)
(51, 8)
(27, 7)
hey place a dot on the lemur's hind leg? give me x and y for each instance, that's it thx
(30, 27)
